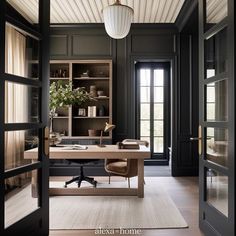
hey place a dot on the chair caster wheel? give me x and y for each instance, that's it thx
(65, 186)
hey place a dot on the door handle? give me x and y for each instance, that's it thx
(195, 139)
(46, 141)
(199, 139)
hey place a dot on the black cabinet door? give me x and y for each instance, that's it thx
(24, 73)
(217, 121)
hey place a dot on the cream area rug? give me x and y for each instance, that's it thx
(155, 211)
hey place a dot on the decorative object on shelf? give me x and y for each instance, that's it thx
(55, 138)
(102, 74)
(100, 93)
(60, 73)
(92, 111)
(61, 95)
(93, 91)
(82, 112)
(108, 128)
(93, 132)
(101, 111)
(117, 20)
(64, 73)
(85, 74)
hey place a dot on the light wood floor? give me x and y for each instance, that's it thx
(183, 191)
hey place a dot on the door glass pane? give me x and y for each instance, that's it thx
(217, 146)
(158, 111)
(145, 128)
(217, 101)
(158, 128)
(21, 196)
(21, 103)
(145, 111)
(216, 54)
(145, 77)
(144, 94)
(29, 9)
(158, 94)
(217, 190)
(159, 77)
(158, 145)
(22, 53)
(16, 145)
(216, 11)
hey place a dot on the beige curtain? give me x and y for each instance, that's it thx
(16, 105)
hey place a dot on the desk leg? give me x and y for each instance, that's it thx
(140, 178)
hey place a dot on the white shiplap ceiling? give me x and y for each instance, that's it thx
(89, 11)
(216, 10)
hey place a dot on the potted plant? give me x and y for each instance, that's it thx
(62, 95)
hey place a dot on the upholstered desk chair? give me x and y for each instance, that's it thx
(124, 167)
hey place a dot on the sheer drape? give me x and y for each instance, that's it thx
(15, 99)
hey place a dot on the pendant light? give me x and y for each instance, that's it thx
(117, 20)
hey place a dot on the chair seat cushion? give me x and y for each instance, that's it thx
(118, 166)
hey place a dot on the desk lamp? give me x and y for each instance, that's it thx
(108, 128)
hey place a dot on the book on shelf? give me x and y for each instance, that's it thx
(92, 111)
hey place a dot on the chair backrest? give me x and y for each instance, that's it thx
(132, 164)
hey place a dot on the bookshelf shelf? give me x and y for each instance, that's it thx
(87, 117)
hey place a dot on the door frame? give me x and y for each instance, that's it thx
(37, 221)
(172, 59)
(166, 112)
(211, 221)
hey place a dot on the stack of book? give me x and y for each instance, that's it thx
(128, 145)
(92, 111)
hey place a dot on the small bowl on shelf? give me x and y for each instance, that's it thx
(100, 93)
(93, 132)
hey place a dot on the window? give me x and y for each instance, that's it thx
(153, 108)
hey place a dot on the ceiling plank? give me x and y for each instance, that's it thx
(89, 11)
(136, 11)
(148, 11)
(166, 10)
(155, 10)
(98, 9)
(171, 11)
(177, 10)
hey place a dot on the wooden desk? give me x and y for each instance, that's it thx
(95, 152)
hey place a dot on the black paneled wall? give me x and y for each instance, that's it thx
(149, 42)
(92, 42)
(186, 158)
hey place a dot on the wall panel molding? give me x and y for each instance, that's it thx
(91, 45)
(59, 45)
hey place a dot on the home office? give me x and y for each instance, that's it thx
(117, 115)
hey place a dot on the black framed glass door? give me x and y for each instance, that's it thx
(24, 73)
(217, 108)
(153, 106)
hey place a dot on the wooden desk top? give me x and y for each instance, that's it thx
(92, 152)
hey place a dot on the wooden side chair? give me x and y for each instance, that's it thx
(127, 168)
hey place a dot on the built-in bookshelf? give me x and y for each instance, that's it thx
(85, 121)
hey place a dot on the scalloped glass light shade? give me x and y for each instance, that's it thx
(117, 20)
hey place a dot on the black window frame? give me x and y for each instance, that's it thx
(167, 108)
